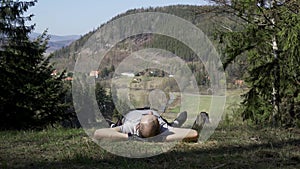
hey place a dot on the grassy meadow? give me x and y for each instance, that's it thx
(234, 144)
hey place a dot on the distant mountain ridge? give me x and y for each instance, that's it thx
(65, 58)
(57, 42)
(208, 19)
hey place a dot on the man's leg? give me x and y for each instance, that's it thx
(114, 124)
(202, 118)
(110, 123)
(180, 119)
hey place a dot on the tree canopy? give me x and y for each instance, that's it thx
(270, 41)
(29, 95)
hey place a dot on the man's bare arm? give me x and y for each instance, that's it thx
(174, 134)
(178, 134)
(110, 134)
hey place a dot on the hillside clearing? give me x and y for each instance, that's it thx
(229, 147)
(233, 145)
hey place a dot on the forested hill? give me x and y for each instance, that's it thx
(207, 18)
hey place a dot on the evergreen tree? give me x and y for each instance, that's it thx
(270, 39)
(105, 102)
(29, 95)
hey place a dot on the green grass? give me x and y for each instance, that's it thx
(228, 147)
(233, 145)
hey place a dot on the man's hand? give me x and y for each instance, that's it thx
(135, 137)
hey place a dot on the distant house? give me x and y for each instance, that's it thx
(68, 79)
(136, 80)
(127, 74)
(108, 45)
(94, 73)
(238, 83)
(54, 73)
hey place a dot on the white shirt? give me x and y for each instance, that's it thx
(133, 118)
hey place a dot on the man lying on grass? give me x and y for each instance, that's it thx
(148, 125)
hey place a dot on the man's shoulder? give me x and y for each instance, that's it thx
(141, 109)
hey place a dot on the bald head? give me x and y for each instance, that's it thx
(149, 126)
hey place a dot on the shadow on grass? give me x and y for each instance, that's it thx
(284, 154)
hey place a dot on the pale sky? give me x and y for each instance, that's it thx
(78, 17)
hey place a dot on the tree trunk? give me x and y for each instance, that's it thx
(276, 84)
